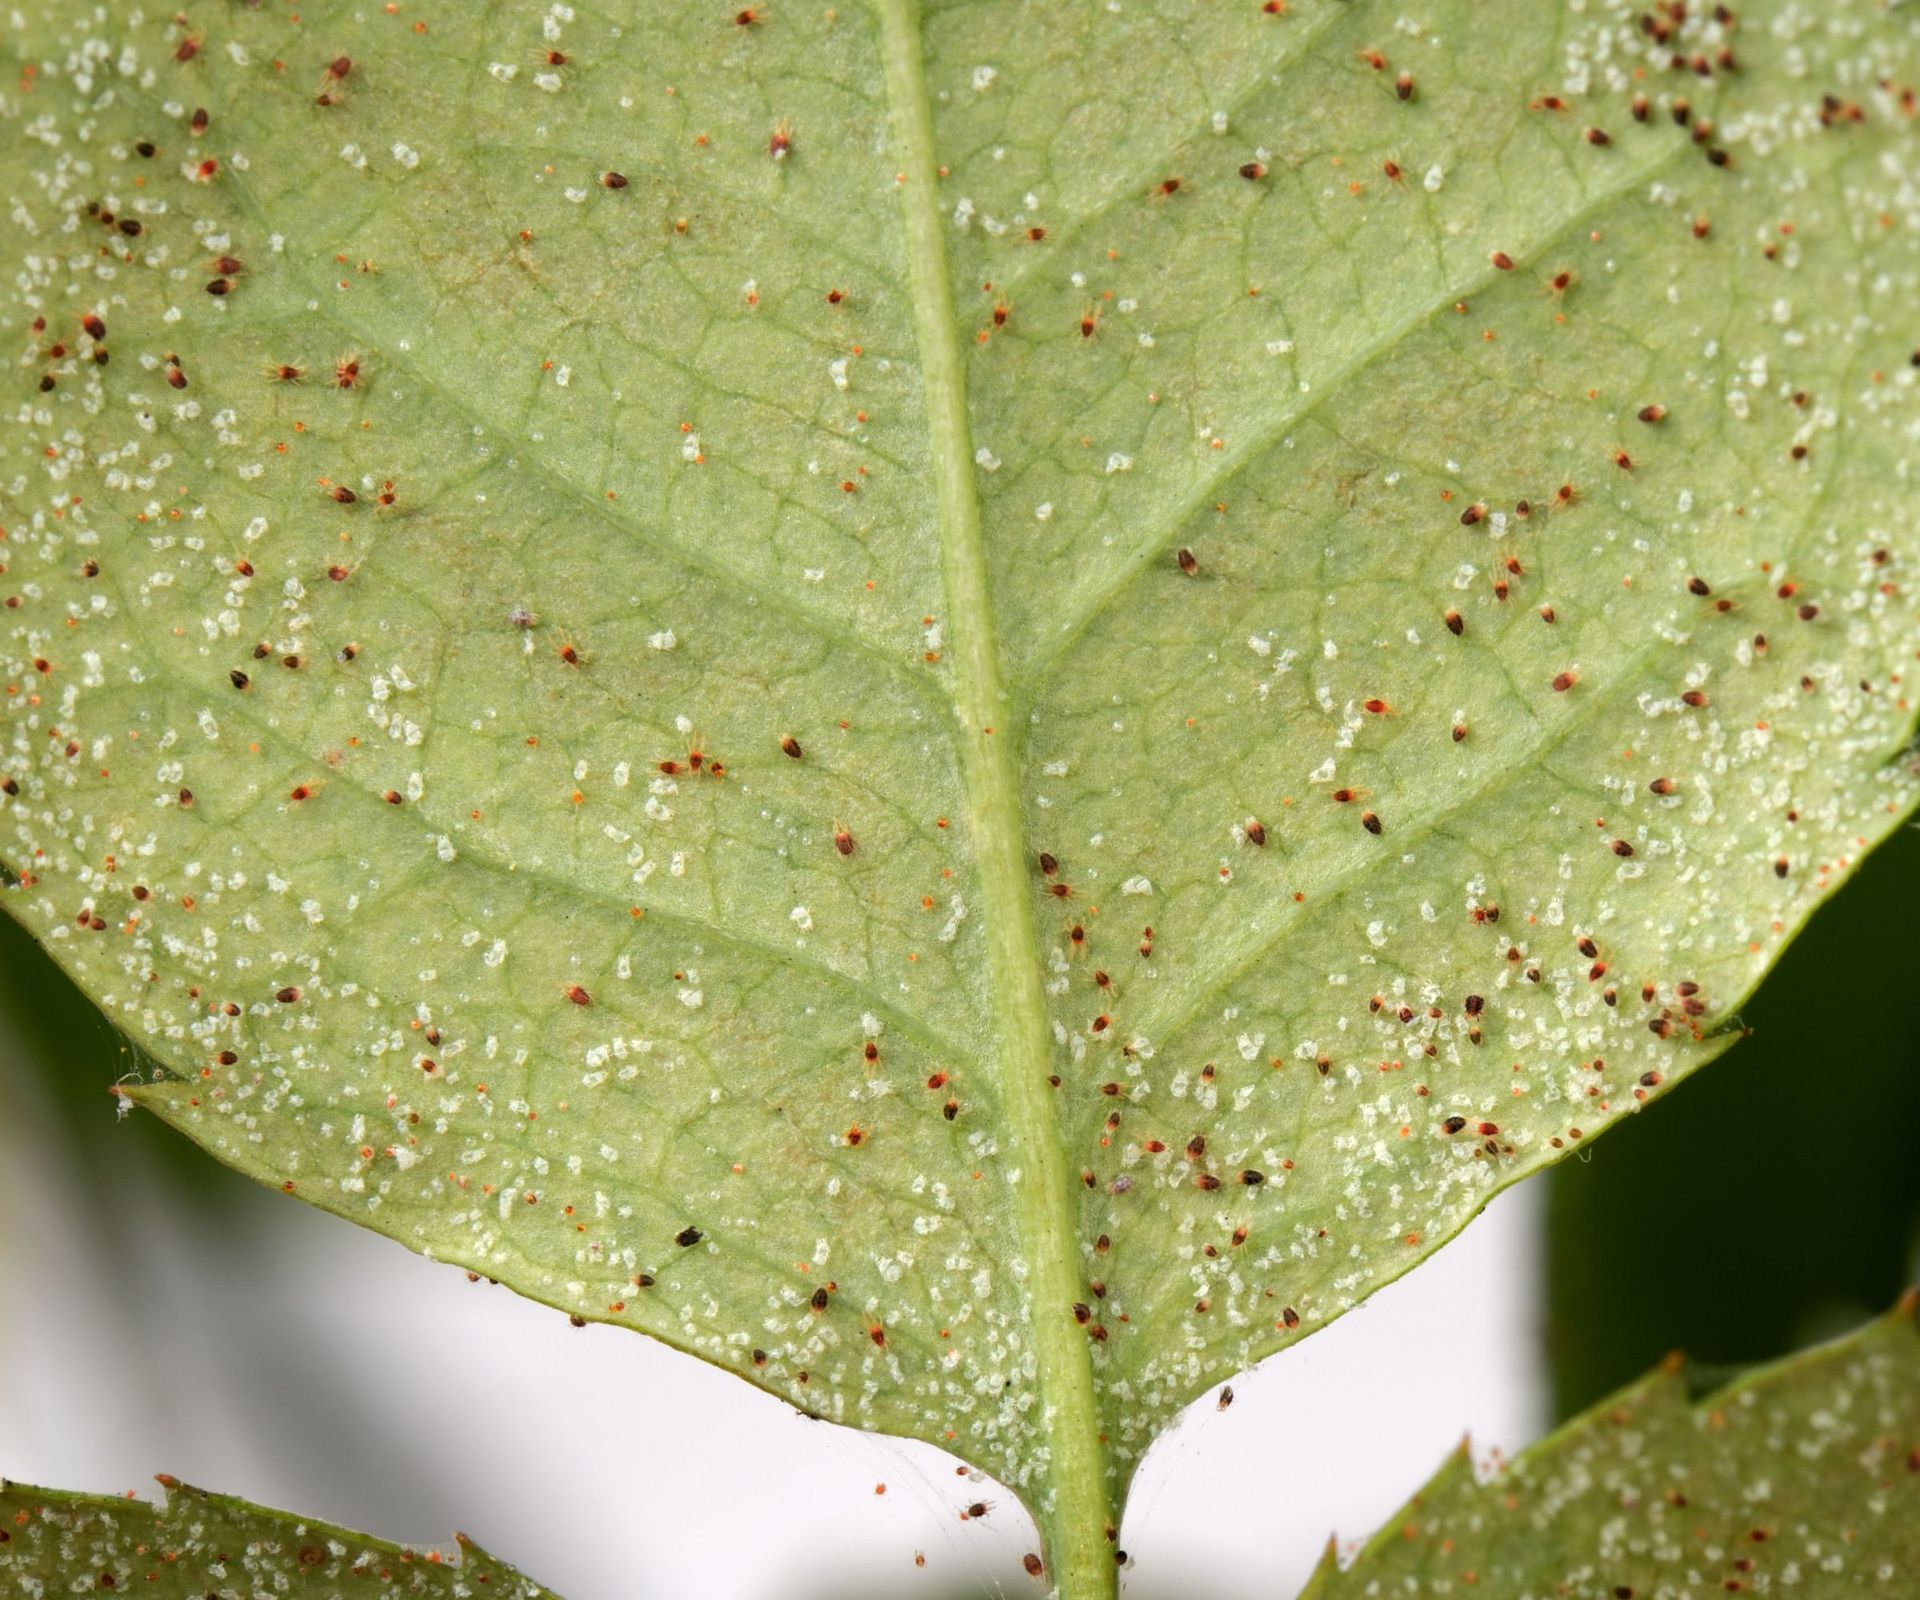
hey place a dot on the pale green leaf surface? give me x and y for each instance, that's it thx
(747, 444)
(1802, 1478)
(194, 1545)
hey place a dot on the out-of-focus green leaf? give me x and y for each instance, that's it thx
(1802, 1478)
(1732, 1260)
(193, 1545)
(974, 708)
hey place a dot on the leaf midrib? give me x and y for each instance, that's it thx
(1072, 1503)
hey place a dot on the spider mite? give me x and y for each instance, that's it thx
(331, 79)
(1256, 833)
(285, 372)
(780, 142)
(697, 761)
(346, 372)
(568, 652)
(842, 840)
(1187, 561)
(791, 746)
(1089, 322)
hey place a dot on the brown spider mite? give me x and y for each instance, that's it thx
(1256, 833)
(791, 746)
(842, 840)
(697, 761)
(330, 80)
(1186, 560)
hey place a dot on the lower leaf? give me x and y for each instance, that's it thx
(195, 1545)
(1802, 1477)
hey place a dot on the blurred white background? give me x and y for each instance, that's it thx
(160, 1314)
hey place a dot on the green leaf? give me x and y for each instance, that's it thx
(1802, 1477)
(856, 378)
(195, 1545)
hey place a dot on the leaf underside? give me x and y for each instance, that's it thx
(194, 1545)
(1801, 1478)
(609, 540)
